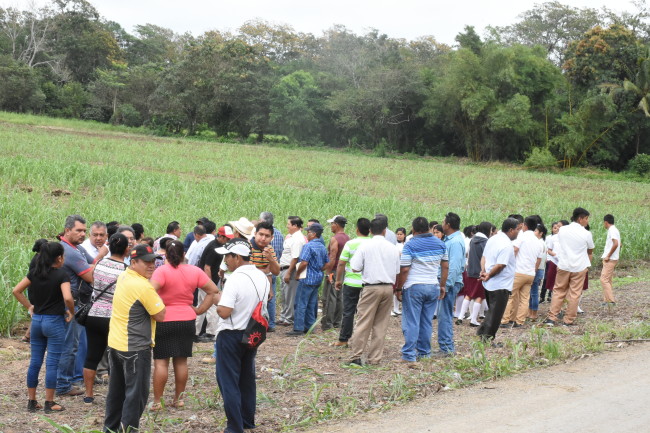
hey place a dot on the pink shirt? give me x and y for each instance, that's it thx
(177, 287)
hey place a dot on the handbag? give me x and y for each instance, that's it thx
(81, 315)
(255, 332)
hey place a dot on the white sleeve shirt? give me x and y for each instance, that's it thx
(574, 241)
(530, 249)
(612, 233)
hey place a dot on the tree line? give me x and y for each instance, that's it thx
(560, 87)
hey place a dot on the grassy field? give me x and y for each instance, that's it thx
(50, 168)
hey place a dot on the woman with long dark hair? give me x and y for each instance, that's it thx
(49, 295)
(104, 278)
(175, 283)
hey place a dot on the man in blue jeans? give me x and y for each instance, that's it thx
(313, 259)
(455, 244)
(422, 258)
(78, 266)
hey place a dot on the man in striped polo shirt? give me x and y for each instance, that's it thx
(350, 286)
(419, 290)
(264, 258)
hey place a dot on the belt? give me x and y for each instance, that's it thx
(282, 268)
(377, 284)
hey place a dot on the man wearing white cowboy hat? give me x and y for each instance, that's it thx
(243, 227)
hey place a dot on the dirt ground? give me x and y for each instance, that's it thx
(305, 382)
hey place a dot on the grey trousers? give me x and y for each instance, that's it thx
(288, 296)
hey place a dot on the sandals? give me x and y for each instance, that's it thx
(155, 407)
(33, 406)
(178, 404)
(52, 406)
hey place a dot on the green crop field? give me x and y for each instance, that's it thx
(51, 168)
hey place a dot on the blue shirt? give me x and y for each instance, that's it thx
(455, 244)
(423, 254)
(277, 243)
(315, 254)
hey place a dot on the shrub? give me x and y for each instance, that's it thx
(540, 157)
(640, 164)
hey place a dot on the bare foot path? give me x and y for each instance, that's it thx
(609, 392)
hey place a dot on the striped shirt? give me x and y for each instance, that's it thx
(352, 279)
(423, 254)
(257, 255)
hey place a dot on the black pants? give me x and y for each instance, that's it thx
(128, 389)
(350, 300)
(497, 301)
(97, 337)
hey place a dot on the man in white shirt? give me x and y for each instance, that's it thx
(610, 258)
(576, 248)
(378, 261)
(202, 237)
(498, 274)
(528, 254)
(242, 291)
(291, 249)
(97, 239)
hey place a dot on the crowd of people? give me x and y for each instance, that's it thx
(155, 298)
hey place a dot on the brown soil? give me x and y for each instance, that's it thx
(300, 381)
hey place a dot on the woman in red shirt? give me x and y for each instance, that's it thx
(175, 283)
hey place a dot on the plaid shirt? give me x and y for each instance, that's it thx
(277, 243)
(315, 254)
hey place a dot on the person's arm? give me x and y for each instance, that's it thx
(612, 250)
(332, 249)
(20, 296)
(444, 274)
(274, 266)
(400, 280)
(292, 267)
(210, 289)
(456, 263)
(340, 274)
(590, 253)
(87, 276)
(208, 270)
(160, 316)
(537, 262)
(223, 311)
(69, 301)
(494, 271)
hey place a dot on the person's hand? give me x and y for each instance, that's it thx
(338, 285)
(443, 292)
(398, 295)
(196, 310)
(102, 252)
(606, 259)
(268, 254)
(68, 316)
(30, 310)
(483, 276)
(287, 278)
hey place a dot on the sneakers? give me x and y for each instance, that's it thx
(459, 321)
(507, 325)
(339, 344)
(89, 400)
(355, 363)
(294, 333)
(517, 325)
(548, 322)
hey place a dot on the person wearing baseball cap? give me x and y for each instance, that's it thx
(242, 292)
(136, 309)
(313, 259)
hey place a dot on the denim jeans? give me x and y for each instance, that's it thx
(350, 302)
(419, 303)
(270, 306)
(236, 380)
(47, 332)
(304, 312)
(128, 389)
(446, 318)
(74, 348)
(533, 303)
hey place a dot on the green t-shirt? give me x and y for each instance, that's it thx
(352, 279)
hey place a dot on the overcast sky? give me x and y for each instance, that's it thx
(397, 18)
